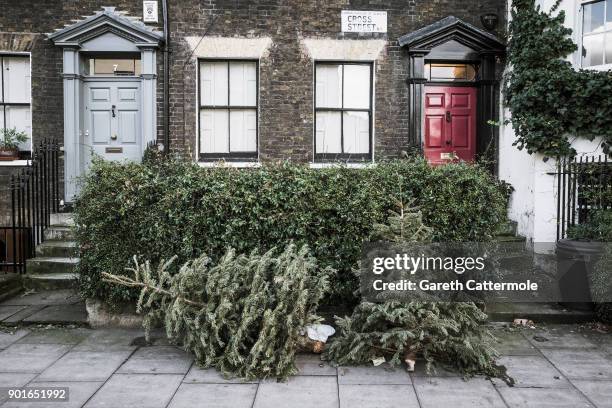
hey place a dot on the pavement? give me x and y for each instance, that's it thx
(552, 366)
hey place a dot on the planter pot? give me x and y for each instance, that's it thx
(7, 154)
(575, 263)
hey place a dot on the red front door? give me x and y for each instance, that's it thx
(450, 124)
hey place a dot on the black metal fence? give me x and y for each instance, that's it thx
(34, 192)
(584, 185)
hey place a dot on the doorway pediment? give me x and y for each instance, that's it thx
(107, 29)
(451, 33)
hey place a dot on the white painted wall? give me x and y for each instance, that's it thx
(533, 204)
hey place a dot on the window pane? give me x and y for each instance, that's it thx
(458, 72)
(329, 86)
(608, 14)
(357, 86)
(213, 83)
(328, 132)
(356, 132)
(19, 117)
(16, 80)
(243, 130)
(609, 48)
(592, 50)
(243, 84)
(593, 17)
(214, 131)
(114, 66)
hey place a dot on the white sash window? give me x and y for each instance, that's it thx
(15, 102)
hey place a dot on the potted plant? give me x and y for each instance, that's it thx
(9, 143)
(577, 257)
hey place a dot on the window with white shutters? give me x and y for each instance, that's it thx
(15, 104)
(228, 110)
(343, 111)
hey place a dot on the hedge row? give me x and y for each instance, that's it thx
(171, 207)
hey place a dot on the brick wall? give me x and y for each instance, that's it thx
(286, 118)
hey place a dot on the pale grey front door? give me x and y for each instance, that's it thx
(112, 119)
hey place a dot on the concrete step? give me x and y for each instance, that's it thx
(538, 312)
(44, 265)
(62, 219)
(59, 233)
(50, 281)
(508, 228)
(62, 249)
(509, 238)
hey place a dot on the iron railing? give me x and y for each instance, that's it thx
(35, 195)
(584, 185)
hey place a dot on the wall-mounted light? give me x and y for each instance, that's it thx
(489, 21)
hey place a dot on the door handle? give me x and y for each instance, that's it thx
(448, 116)
(113, 110)
(448, 142)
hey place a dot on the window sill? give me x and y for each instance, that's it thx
(328, 165)
(221, 163)
(15, 163)
(605, 67)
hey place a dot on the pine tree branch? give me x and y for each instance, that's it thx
(129, 282)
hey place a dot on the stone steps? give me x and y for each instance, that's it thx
(55, 261)
(61, 249)
(51, 281)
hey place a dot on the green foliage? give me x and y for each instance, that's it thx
(403, 226)
(243, 315)
(170, 207)
(11, 138)
(449, 334)
(597, 228)
(548, 98)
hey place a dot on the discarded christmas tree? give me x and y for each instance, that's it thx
(245, 316)
(444, 333)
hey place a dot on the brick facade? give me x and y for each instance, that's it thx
(286, 117)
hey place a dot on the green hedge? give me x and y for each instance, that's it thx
(171, 207)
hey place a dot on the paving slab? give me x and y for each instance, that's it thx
(13, 380)
(214, 395)
(581, 364)
(8, 311)
(51, 297)
(311, 364)
(544, 398)
(377, 396)
(85, 366)
(370, 375)
(298, 392)
(73, 313)
(212, 376)
(9, 337)
(30, 358)
(24, 313)
(110, 339)
(560, 336)
(157, 359)
(531, 371)
(513, 343)
(598, 392)
(457, 392)
(420, 370)
(56, 336)
(78, 394)
(136, 390)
